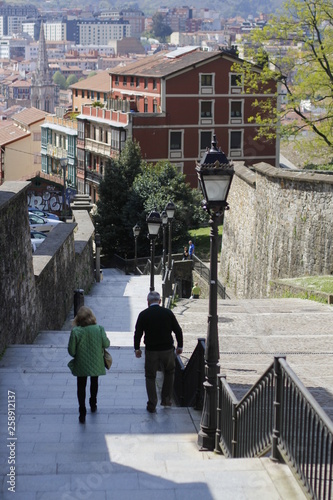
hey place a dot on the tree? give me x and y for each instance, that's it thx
(160, 27)
(295, 49)
(59, 79)
(153, 188)
(71, 79)
(130, 190)
(114, 191)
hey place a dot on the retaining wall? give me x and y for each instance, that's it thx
(37, 290)
(279, 226)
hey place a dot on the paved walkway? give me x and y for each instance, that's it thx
(123, 452)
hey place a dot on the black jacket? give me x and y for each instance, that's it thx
(157, 324)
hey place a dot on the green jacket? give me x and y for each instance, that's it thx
(86, 344)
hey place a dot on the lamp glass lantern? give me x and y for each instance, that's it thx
(215, 184)
(136, 230)
(164, 216)
(170, 209)
(154, 222)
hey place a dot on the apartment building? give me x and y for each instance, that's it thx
(98, 32)
(55, 31)
(172, 103)
(20, 145)
(58, 142)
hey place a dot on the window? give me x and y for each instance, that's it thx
(80, 130)
(71, 145)
(37, 136)
(205, 140)
(206, 80)
(146, 106)
(206, 83)
(206, 109)
(154, 84)
(92, 94)
(98, 96)
(154, 106)
(236, 143)
(175, 144)
(132, 81)
(146, 83)
(137, 81)
(236, 83)
(236, 109)
(82, 93)
(45, 137)
(116, 80)
(125, 81)
(76, 93)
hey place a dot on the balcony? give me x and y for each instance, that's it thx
(99, 148)
(93, 176)
(56, 151)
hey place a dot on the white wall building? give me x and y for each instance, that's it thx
(93, 32)
(55, 31)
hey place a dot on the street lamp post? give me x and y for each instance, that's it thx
(136, 232)
(215, 174)
(154, 222)
(164, 216)
(98, 256)
(170, 210)
(63, 164)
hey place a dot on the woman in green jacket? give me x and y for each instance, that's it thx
(86, 344)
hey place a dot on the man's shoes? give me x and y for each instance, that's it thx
(151, 408)
(166, 402)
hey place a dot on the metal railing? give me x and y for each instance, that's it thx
(189, 379)
(305, 435)
(280, 414)
(203, 271)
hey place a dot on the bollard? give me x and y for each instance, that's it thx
(78, 300)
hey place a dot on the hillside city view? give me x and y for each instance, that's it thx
(166, 264)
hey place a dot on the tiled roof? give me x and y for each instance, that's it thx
(29, 116)
(11, 133)
(99, 83)
(164, 64)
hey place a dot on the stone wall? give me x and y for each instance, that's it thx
(279, 226)
(18, 318)
(37, 290)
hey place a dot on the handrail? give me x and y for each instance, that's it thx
(305, 435)
(204, 272)
(280, 414)
(188, 385)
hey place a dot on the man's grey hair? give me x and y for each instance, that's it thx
(153, 297)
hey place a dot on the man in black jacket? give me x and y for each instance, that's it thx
(157, 324)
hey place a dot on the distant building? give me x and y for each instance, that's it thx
(172, 103)
(20, 144)
(99, 32)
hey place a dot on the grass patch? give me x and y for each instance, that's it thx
(201, 240)
(315, 283)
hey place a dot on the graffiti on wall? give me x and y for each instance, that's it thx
(49, 198)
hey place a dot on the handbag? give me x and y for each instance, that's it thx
(107, 359)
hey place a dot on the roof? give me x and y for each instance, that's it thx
(166, 63)
(30, 116)
(11, 133)
(99, 83)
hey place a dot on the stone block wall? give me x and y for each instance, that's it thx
(18, 318)
(37, 290)
(279, 226)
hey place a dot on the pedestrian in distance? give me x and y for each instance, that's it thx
(157, 324)
(185, 254)
(196, 291)
(191, 249)
(86, 344)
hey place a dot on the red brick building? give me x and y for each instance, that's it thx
(172, 103)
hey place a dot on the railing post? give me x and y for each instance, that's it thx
(234, 431)
(277, 408)
(217, 448)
